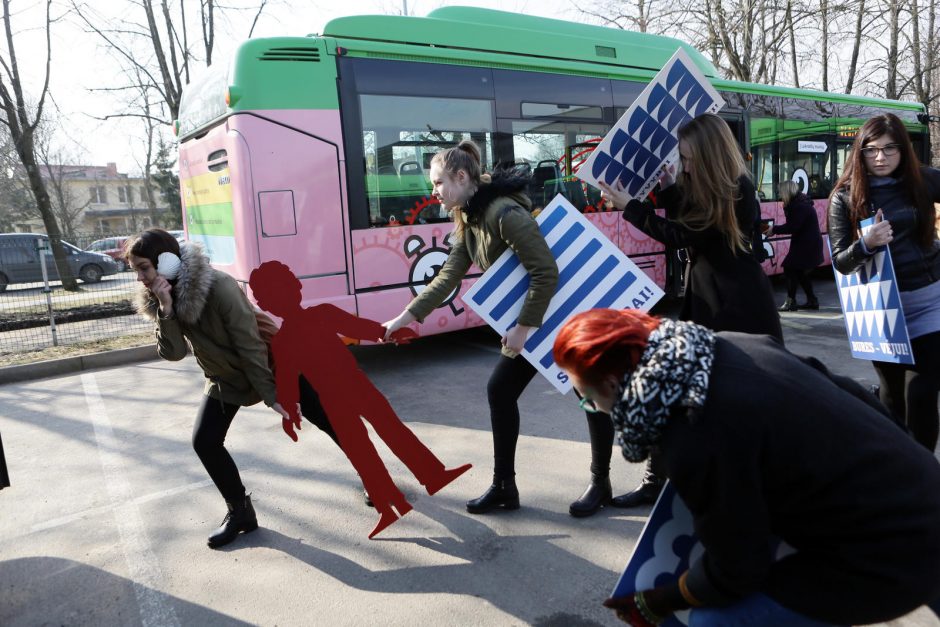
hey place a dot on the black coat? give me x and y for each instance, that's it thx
(805, 239)
(915, 266)
(784, 449)
(4, 476)
(725, 291)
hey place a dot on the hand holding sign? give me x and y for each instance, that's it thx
(645, 137)
(880, 233)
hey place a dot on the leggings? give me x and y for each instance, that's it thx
(801, 278)
(509, 379)
(212, 424)
(910, 392)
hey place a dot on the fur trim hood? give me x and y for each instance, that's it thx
(502, 183)
(190, 290)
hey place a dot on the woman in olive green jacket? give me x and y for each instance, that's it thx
(198, 308)
(491, 214)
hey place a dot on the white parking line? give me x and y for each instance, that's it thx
(143, 569)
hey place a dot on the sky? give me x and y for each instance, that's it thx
(83, 72)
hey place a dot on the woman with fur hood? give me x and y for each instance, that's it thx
(197, 307)
(491, 214)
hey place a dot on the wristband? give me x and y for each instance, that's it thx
(647, 613)
(686, 594)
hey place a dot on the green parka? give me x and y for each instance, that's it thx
(497, 217)
(213, 318)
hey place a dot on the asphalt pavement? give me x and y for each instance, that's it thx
(106, 521)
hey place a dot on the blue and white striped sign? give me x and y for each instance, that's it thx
(593, 273)
(871, 305)
(644, 138)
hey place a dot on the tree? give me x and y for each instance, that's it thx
(21, 121)
(168, 182)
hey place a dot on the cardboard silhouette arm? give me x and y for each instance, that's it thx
(345, 323)
(288, 389)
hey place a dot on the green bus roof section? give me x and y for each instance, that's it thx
(299, 72)
(454, 31)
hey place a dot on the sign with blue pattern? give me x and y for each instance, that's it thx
(667, 547)
(871, 306)
(644, 138)
(593, 273)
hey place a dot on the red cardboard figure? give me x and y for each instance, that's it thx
(308, 343)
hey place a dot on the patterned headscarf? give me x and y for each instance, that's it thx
(673, 371)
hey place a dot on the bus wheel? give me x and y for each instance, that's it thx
(90, 273)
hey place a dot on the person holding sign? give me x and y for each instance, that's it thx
(717, 220)
(491, 214)
(883, 179)
(762, 446)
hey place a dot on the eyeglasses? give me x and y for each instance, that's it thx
(589, 405)
(889, 150)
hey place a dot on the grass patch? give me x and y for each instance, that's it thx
(76, 349)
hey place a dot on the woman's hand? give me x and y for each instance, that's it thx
(667, 177)
(880, 234)
(163, 292)
(515, 338)
(404, 319)
(614, 195)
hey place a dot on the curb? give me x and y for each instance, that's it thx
(79, 363)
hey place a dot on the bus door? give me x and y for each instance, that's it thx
(297, 205)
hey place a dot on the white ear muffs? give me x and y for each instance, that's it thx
(168, 266)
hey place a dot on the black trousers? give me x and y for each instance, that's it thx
(799, 278)
(4, 476)
(509, 379)
(910, 392)
(212, 424)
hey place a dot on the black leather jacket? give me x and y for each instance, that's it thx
(915, 266)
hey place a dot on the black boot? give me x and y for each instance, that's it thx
(789, 305)
(240, 518)
(811, 303)
(502, 493)
(647, 492)
(596, 496)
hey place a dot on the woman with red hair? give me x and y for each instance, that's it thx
(760, 445)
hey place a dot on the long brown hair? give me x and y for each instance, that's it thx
(854, 179)
(712, 193)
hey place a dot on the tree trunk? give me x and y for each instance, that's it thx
(891, 84)
(856, 44)
(790, 29)
(824, 47)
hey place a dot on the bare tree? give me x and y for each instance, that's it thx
(22, 122)
(58, 167)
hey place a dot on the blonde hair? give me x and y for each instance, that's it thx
(464, 156)
(788, 191)
(712, 193)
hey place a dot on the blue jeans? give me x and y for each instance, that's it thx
(757, 610)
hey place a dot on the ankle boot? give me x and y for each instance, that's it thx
(648, 490)
(811, 303)
(596, 496)
(789, 305)
(502, 493)
(240, 518)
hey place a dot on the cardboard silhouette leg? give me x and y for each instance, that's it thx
(419, 459)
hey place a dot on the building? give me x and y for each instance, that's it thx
(96, 200)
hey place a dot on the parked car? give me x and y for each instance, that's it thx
(19, 260)
(179, 235)
(112, 247)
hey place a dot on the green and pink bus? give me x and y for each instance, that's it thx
(315, 150)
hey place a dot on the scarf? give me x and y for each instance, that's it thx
(673, 371)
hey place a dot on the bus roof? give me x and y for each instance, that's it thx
(472, 29)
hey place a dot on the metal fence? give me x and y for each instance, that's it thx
(36, 312)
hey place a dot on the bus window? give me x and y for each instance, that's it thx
(400, 135)
(763, 147)
(807, 159)
(553, 150)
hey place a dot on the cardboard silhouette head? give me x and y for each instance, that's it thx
(275, 288)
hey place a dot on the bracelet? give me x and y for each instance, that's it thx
(647, 613)
(686, 593)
